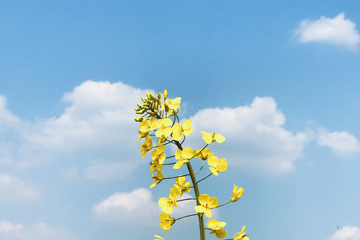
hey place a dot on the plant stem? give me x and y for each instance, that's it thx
(197, 194)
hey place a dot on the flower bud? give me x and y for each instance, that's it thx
(139, 119)
(141, 111)
(152, 96)
(159, 95)
(165, 94)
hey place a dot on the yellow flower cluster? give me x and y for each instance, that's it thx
(159, 119)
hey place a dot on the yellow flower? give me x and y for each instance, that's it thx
(212, 137)
(161, 140)
(158, 154)
(241, 235)
(158, 237)
(142, 135)
(166, 221)
(155, 166)
(167, 204)
(207, 203)
(180, 187)
(180, 130)
(173, 104)
(217, 164)
(147, 145)
(164, 128)
(157, 178)
(237, 193)
(148, 125)
(182, 157)
(216, 227)
(204, 154)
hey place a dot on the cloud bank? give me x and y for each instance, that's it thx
(96, 137)
(336, 31)
(137, 208)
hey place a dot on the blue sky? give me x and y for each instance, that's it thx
(279, 79)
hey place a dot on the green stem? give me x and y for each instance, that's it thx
(176, 176)
(185, 199)
(197, 195)
(224, 204)
(204, 178)
(186, 216)
(200, 168)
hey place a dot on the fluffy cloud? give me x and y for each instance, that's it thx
(336, 31)
(346, 233)
(342, 143)
(256, 140)
(136, 207)
(97, 129)
(94, 137)
(39, 231)
(14, 189)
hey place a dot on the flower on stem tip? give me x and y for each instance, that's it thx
(182, 157)
(142, 135)
(166, 221)
(216, 227)
(147, 145)
(207, 203)
(204, 154)
(158, 155)
(180, 187)
(167, 204)
(157, 178)
(173, 104)
(180, 130)
(237, 193)
(148, 126)
(217, 164)
(212, 137)
(164, 128)
(241, 235)
(155, 166)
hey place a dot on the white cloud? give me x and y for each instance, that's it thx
(95, 137)
(14, 189)
(342, 143)
(336, 31)
(136, 207)
(346, 233)
(38, 231)
(97, 129)
(7, 119)
(255, 138)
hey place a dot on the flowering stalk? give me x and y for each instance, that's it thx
(155, 122)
